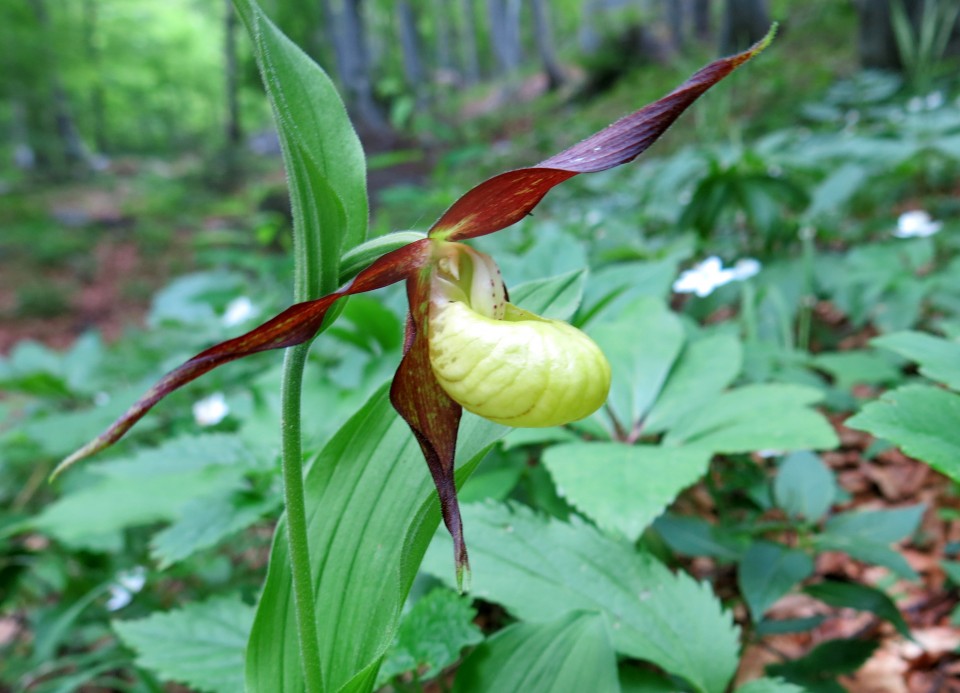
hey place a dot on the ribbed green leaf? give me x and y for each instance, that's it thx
(571, 654)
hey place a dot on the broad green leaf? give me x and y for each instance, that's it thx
(152, 485)
(863, 597)
(641, 345)
(556, 298)
(849, 368)
(922, 420)
(538, 568)
(804, 486)
(769, 686)
(572, 653)
(206, 521)
(431, 636)
(623, 488)
(706, 367)
(768, 571)
(867, 535)
(818, 669)
(635, 680)
(320, 144)
(939, 359)
(200, 645)
(371, 510)
(757, 417)
(693, 536)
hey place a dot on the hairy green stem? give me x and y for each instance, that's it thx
(303, 597)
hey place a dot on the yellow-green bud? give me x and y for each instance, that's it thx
(504, 363)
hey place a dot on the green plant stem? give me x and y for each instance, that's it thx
(291, 454)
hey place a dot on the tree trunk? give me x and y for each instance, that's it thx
(701, 19)
(410, 48)
(441, 27)
(543, 35)
(503, 37)
(674, 11)
(744, 23)
(354, 67)
(471, 56)
(97, 100)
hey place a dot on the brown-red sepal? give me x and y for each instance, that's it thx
(295, 325)
(505, 199)
(433, 417)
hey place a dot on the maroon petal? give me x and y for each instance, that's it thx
(505, 199)
(433, 417)
(295, 325)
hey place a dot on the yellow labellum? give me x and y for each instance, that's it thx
(522, 370)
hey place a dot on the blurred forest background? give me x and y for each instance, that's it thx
(144, 216)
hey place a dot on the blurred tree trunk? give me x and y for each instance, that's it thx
(440, 11)
(410, 48)
(675, 11)
(233, 129)
(701, 19)
(504, 36)
(744, 23)
(471, 56)
(877, 42)
(543, 35)
(354, 66)
(92, 48)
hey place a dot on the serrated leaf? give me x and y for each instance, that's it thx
(431, 636)
(206, 521)
(572, 653)
(200, 645)
(804, 486)
(758, 417)
(641, 346)
(862, 597)
(371, 510)
(706, 367)
(621, 487)
(537, 568)
(938, 358)
(919, 419)
(768, 571)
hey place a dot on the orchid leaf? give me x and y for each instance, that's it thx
(507, 198)
(295, 325)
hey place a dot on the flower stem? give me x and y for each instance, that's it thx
(303, 597)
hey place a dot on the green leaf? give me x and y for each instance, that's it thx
(152, 485)
(206, 521)
(769, 686)
(319, 142)
(572, 653)
(922, 420)
(635, 680)
(818, 669)
(371, 510)
(623, 488)
(538, 568)
(431, 636)
(693, 536)
(804, 486)
(200, 645)
(867, 535)
(768, 571)
(556, 298)
(641, 346)
(758, 417)
(952, 570)
(939, 359)
(849, 368)
(706, 367)
(862, 597)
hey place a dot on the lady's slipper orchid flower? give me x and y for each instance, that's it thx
(465, 345)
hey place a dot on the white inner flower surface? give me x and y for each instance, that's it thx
(504, 363)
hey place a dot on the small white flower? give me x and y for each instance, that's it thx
(128, 583)
(211, 410)
(238, 311)
(702, 279)
(933, 100)
(916, 224)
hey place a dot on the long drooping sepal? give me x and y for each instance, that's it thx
(295, 325)
(431, 414)
(505, 199)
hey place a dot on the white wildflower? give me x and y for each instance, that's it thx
(238, 310)
(128, 583)
(211, 410)
(702, 279)
(916, 224)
